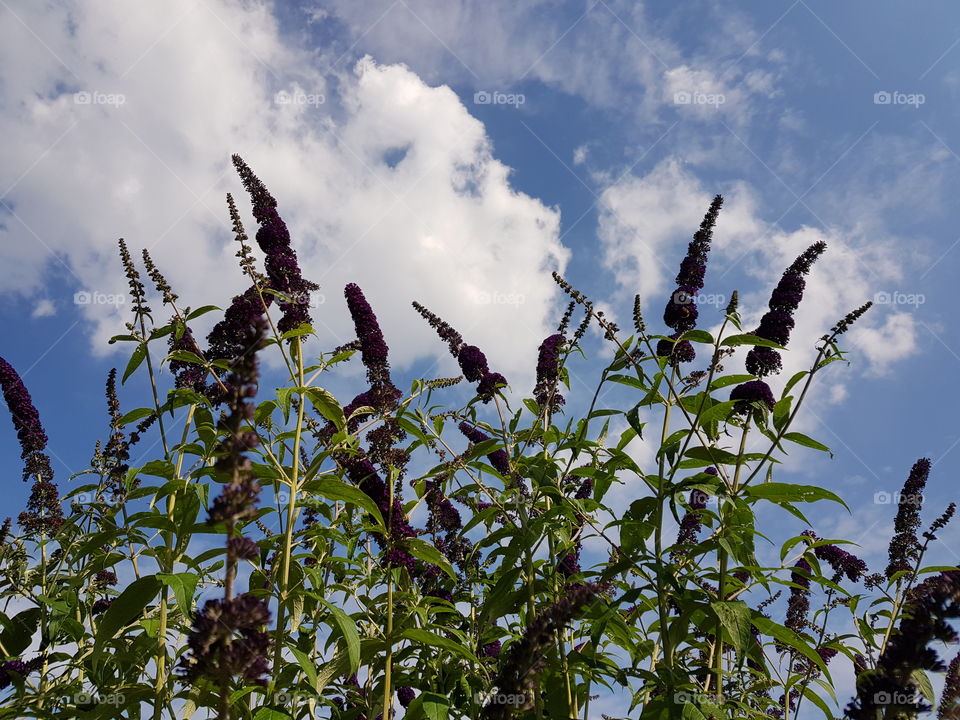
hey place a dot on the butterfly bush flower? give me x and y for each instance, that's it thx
(281, 264)
(548, 362)
(752, 391)
(382, 395)
(227, 640)
(799, 603)
(778, 322)
(924, 621)
(19, 667)
(949, 708)
(186, 374)
(842, 562)
(681, 311)
(26, 421)
(471, 359)
(405, 695)
(904, 546)
(692, 519)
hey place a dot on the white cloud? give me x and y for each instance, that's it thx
(44, 308)
(383, 180)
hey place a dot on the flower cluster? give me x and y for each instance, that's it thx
(798, 604)
(26, 421)
(842, 562)
(548, 361)
(924, 621)
(382, 396)
(471, 359)
(227, 640)
(904, 546)
(681, 311)
(691, 521)
(777, 323)
(185, 374)
(281, 264)
(18, 667)
(117, 450)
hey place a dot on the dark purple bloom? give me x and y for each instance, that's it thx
(681, 311)
(405, 695)
(473, 363)
(778, 322)
(585, 490)
(19, 667)
(186, 374)
(752, 391)
(280, 261)
(100, 606)
(226, 639)
(26, 421)
(4, 532)
(373, 348)
(43, 515)
(842, 562)
(904, 546)
(681, 352)
(231, 339)
(762, 361)
(691, 521)
(949, 708)
(471, 359)
(443, 515)
(570, 562)
(547, 372)
(104, 578)
(243, 548)
(491, 649)
(799, 603)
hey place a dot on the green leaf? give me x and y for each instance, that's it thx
(202, 311)
(348, 630)
(735, 619)
(781, 412)
(139, 353)
(134, 415)
(793, 381)
(266, 713)
(720, 411)
(428, 553)
(333, 489)
(306, 664)
(789, 637)
(127, 607)
(749, 339)
(435, 707)
(787, 492)
(726, 380)
(327, 405)
(698, 336)
(426, 637)
(19, 631)
(185, 356)
(183, 586)
(633, 417)
(802, 439)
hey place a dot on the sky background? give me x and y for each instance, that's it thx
(455, 152)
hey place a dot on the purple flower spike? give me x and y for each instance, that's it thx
(473, 363)
(681, 311)
(405, 695)
(26, 421)
(488, 385)
(548, 372)
(281, 259)
(498, 458)
(753, 391)
(373, 348)
(778, 322)
(904, 546)
(226, 639)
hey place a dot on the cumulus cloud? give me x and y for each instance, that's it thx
(383, 179)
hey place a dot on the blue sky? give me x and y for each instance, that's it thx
(609, 126)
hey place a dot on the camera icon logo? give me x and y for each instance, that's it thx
(481, 97)
(882, 98)
(682, 98)
(82, 298)
(82, 98)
